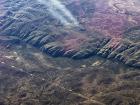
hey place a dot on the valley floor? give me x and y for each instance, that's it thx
(29, 77)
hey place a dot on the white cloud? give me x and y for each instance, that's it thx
(59, 11)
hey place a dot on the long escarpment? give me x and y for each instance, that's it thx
(107, 28)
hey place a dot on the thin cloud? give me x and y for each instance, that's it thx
(60, 12)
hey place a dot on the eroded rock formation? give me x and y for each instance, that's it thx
(108, 28)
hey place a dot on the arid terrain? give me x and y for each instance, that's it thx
(69, 52)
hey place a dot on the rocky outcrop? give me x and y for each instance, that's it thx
(30, 77)
(104, 33)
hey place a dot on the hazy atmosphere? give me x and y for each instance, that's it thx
(69, 52)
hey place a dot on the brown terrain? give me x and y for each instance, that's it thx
(80, 52)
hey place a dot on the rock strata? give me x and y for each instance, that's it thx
(102, 28)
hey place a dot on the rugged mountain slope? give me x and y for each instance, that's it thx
(76, 28)
(29, 77)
